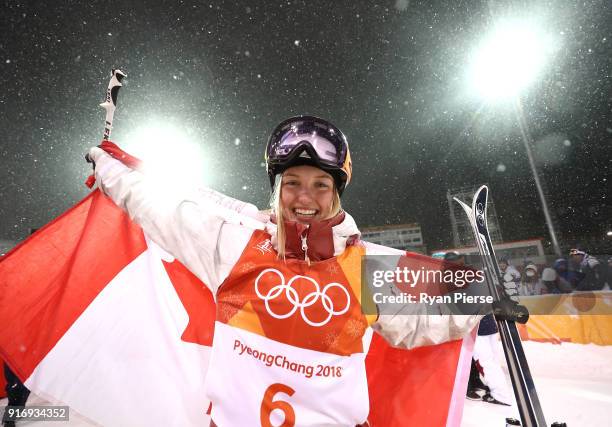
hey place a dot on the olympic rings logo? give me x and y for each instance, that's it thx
(293, 297)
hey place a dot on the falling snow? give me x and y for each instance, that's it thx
(215, 78)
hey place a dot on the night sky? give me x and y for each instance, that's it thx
(214, 78)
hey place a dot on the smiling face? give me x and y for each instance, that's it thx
(307, 194)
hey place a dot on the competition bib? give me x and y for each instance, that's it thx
(288, 345)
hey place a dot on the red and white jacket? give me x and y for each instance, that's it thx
(290, 337)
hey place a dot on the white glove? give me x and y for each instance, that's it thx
(94, 154)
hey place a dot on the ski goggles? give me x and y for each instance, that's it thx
(322, 142)
(576, 252)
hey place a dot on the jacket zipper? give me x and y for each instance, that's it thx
(303, 237)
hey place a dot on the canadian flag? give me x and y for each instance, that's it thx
(98, 317)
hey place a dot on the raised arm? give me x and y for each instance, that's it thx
(203, 229)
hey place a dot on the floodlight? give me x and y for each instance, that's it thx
(508, 60)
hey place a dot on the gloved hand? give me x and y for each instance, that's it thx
(93, 154)
(91, 157)
(88, 159)
(508, 309)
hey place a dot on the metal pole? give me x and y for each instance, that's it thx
(528, 142)
(456, 239)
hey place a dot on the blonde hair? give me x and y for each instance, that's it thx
(275, 204)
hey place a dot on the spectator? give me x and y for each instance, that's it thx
(589, 271)
(530, 281)
(565, 278)
(549, 280)
(510, 273)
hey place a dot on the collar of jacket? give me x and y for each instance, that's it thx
(323, 240)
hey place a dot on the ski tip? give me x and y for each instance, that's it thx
(481, 188)
(465, 206)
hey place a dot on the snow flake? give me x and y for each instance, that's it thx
(237, 141)
(501, 168)
(297, 43)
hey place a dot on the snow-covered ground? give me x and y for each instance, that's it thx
(574, 383)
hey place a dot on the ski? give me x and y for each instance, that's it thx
(522, 382)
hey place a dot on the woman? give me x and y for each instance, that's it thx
(530, 281)
(289, 334)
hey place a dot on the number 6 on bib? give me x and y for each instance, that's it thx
(268, 405)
